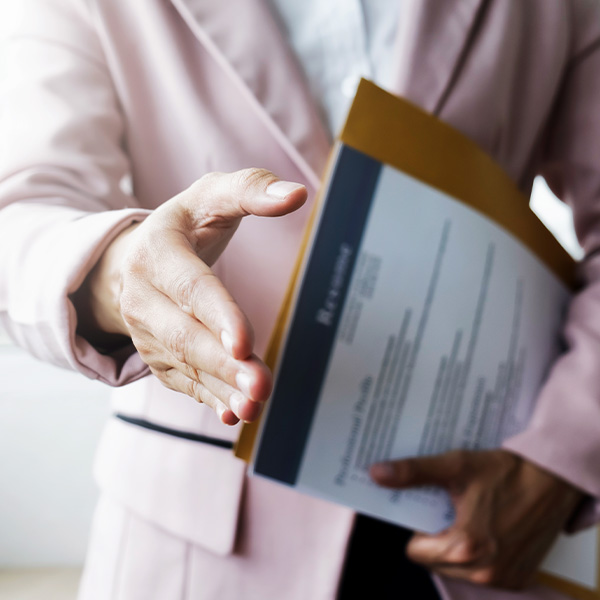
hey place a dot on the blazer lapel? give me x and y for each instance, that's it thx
(243, 36)
(432, 45)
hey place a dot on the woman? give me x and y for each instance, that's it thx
(170, 90)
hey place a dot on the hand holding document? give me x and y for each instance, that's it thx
(425, 317)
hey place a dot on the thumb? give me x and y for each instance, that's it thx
(230, 196)
(451, 546)
(443, 470)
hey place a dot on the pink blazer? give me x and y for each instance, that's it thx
(158, 93)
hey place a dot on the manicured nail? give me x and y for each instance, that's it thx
(243, 383)
(281, 189)
(235, 401)
(221, 411)
(227, 342)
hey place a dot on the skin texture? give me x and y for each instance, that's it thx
(508, 514)
(154, 285)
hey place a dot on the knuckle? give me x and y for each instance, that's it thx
(189, 387)
(185, 290)
(194, 374)
(178, 343)
(249, 179)
(200, 296)
(196, 391)
(145, 349)
(201, 394)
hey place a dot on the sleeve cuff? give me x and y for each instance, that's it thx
(124, 365)
(63, 246)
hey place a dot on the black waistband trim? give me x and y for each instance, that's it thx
(186, 435)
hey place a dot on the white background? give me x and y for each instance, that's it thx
(50, 422)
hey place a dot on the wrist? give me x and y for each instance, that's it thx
(97, 301)
(549, 487)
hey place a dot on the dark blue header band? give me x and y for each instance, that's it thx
(314, 324)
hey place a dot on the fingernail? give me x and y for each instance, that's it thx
(227, 416)
(280, 189)
(235, 401)
(243, 383)
(227, 342)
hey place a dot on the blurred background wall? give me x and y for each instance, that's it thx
(50, 422)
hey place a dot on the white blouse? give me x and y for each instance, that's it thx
(338, 42)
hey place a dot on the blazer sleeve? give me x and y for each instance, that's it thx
(564, 434)
(62, 166)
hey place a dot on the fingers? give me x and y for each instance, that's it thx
(229, 403)
(245, 409)
(502, 527)
(468, 544)
(198, 223)
(177, 381)
(189, 342)
(466, 550)
(192, 286)
(454, 546)
(445, 470)
(508, 513)
(460, 558)
(218, 197)
(184, 322)
(187, 357)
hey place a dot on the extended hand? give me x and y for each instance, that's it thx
(508, 514)
(154, 284)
